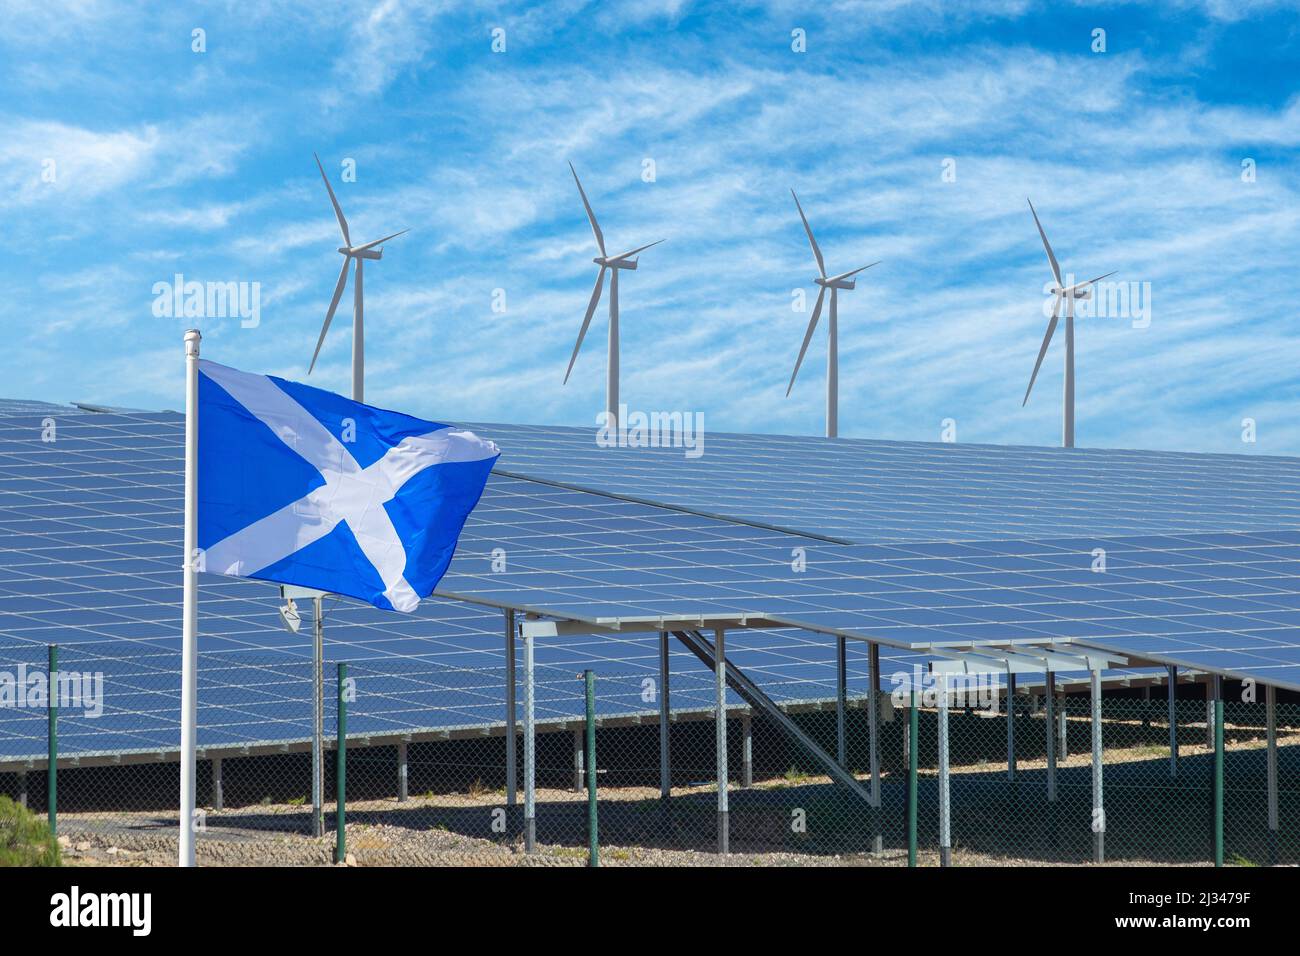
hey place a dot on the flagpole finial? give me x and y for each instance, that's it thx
(192, 337)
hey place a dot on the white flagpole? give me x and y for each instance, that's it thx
(190, 622)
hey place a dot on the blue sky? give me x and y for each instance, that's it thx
(169, 161)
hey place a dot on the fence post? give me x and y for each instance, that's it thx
(530, 748)
(1098, 795)
(512, 713)
(1049, 706)
(841, 703)
(52, 769)
(945, 814)
(341, 750)
(593, 834)
(913, 748)
(1217, 690)
(720, 733)
(873, 729)
(1270, 707)
(665, 765)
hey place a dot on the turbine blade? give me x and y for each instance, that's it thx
(1084, 285)
(1047, 340)
(1051, 256)
(338, 211)
(595, 228)
(586, 320)
(636, 250)
(329, 316)
(845, 275)
(807, 337)
(821, 266)
(371, 245)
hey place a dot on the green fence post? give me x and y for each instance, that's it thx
(913, 755)
(52, 771)
(1218, 773)
(341, 751)
(593, 838)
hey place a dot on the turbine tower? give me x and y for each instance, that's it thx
(1080, 290)
(844, 280)
(613, 264)
(351, 254)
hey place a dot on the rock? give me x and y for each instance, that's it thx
(83, 846)
(64, 842)
(350, 860)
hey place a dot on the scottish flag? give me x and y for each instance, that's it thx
(301, 486)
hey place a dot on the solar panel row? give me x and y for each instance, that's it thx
(90, 524)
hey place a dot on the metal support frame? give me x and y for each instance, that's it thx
(720, 727)
(530, 749)
(1098, 804)
(1270, 716)
(754, 696)
(665, 754)
(1210, 697)
(1063, 728)
(512, 713)
(218, 789)
(1011, 726)
(747, 750)
(1049, 705)
(403, 771)
(579, 774)
(841, 701)
(1173, 721)
(945, 817)
(317, 720)
(873, 728)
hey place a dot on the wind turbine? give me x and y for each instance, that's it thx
(835, 283)
(1080, 290)
(358, 254)
(613, 264)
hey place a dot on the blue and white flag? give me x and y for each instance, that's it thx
(301, 486)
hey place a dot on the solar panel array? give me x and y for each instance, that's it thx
(90, 530)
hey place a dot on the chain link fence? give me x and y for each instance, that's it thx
(432, 776)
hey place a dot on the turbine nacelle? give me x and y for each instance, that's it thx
(615, 263)
(836, 283)
(362, 253)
